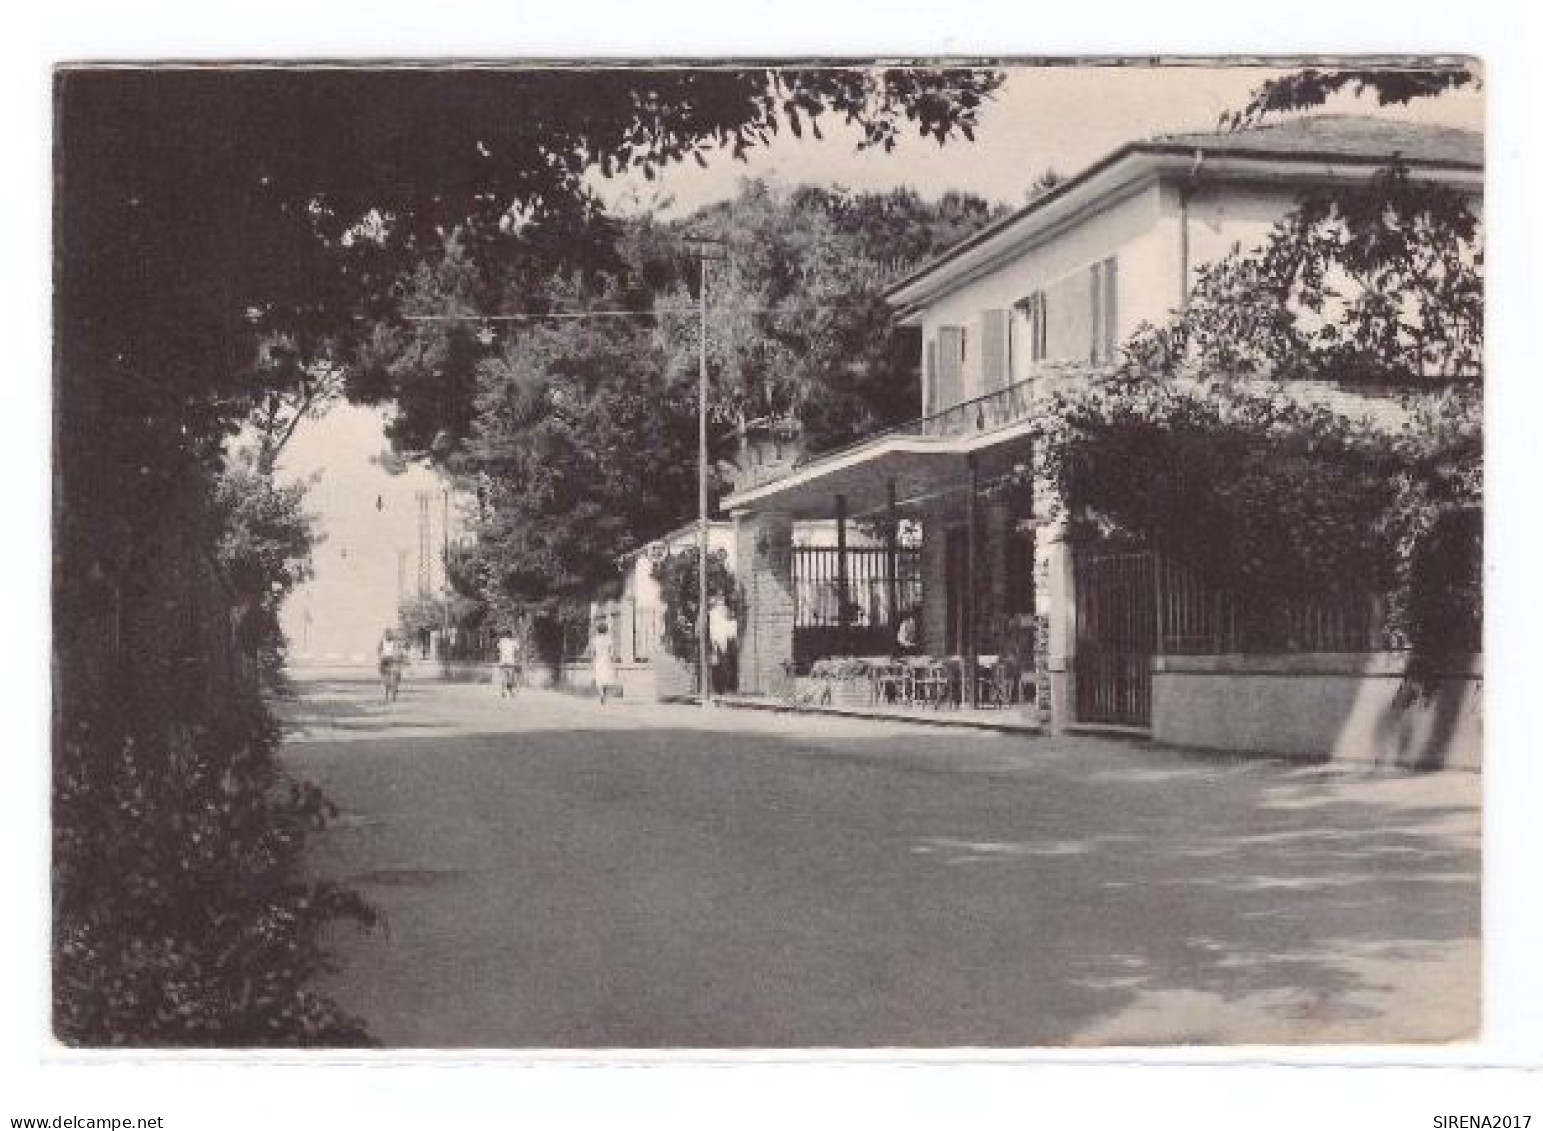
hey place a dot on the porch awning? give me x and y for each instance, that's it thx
(922, 468)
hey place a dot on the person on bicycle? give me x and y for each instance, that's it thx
(508, 665)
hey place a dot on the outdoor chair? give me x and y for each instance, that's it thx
(1004, 684)
(930, 682)
(952, 673)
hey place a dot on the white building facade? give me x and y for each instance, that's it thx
(1044, 298)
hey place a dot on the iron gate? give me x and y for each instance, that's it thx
(875, 601)
(1134, 605)
(1117, 636)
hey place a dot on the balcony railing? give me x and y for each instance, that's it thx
(983, 414)
(1014, 403)
(987, 413)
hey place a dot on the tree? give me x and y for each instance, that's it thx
(1381, 283)
(800, 329)
(202, 212)
(1313, 86)
(227, 240)
(265, 539)
(589, 448)
(580, 417)
(1043, 183)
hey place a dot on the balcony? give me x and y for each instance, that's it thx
(914, 459)
(996, 410)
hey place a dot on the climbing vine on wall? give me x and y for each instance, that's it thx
(1265, 495)
(679, 589)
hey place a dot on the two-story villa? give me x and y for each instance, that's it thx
(1044, 297)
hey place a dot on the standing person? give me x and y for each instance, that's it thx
(908, 639)
(605, 662)
(508, 664)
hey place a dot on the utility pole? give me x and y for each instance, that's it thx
(704, 248)
(444, 628)
(423, 544)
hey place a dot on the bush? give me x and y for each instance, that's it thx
(1261, 494)
(679, 581)
(181, 916)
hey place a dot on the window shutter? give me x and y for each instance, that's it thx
(930, 380)
(950, 365)
(1095, 311)
(1111, 306)
(1103, 292)
(993, 349)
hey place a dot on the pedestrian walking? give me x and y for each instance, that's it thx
(509, 662)
(604, 661)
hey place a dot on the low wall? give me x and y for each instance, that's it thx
(466, 671)
(673, 678)
(1324, 707)
(637, 681)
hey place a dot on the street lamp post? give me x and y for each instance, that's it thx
(704, 247)
(444, 524)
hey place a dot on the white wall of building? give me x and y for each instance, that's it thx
(1222, 216)
(1154, 233)
(1130, 228)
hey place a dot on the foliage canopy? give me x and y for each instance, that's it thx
(228, 242)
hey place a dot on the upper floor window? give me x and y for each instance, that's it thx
(1027, 335)
(1074, 319)
(945, 369)
(1104, 313)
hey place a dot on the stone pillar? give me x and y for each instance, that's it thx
(891, 560)
(934, 583)
(975, 601)
(763, 552)
(994, 627)
(1055, 609)
(843, 584)
(624, 626)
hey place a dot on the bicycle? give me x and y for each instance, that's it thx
(511, 679)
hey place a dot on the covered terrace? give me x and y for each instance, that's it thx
(945, 473)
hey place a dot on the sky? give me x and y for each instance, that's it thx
(368, 517)
(1503, 33)
(1047, 117)
(1063, 118)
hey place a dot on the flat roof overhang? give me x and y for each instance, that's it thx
(922, 468)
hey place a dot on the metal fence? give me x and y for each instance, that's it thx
(470, 645)
(875, 600)
(1134, 605)
(1196, 619)
(818, 584)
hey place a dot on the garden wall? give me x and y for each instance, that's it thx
(1325, 707)
(637, 679)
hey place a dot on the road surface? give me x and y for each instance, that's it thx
(555, 874)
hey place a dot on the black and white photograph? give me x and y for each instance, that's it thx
(957, 584)
(1082, 462)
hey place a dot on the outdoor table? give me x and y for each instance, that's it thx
(889, 677)
(930, 681)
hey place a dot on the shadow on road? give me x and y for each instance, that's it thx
(628, 883)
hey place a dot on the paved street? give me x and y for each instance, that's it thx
(558, 874)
